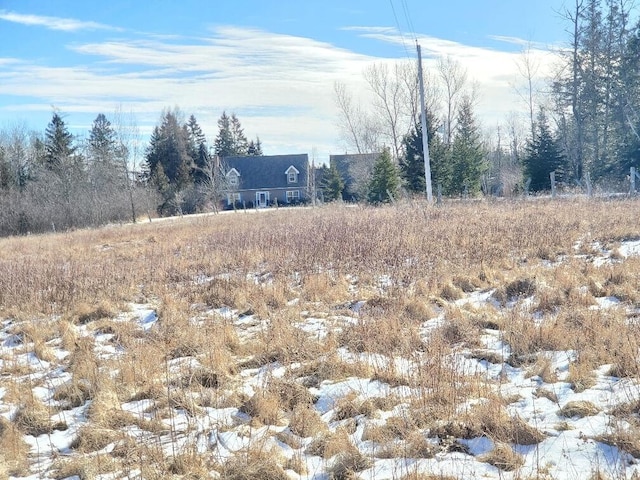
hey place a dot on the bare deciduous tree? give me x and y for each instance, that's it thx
(215, 185)
(395, 99)
(528, 67)
(358, 129)
(454, 81)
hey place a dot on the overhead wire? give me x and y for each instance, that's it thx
(407, 17)
(404, 44)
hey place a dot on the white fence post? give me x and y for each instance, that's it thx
(633, 173)
(552, 176)
(587, 180)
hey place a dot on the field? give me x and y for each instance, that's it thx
(469, 340)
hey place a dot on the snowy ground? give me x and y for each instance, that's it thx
(569, 449)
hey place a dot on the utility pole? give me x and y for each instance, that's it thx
(425, 136)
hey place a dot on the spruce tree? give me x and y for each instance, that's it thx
(385, 180)
(412, 164)
(102, 141)
(197, 149)
(543, 156)
(224, 145)
(168, 147)
(332, 184)
(255, 148)
(240, 143)
(58, 143)
(467, 155)
(231, 140)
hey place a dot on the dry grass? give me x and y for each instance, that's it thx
(503, 457)
(275, 270)
(34, 418)
(13, 450)
(579, 409)
(626, 439)
(251, 465)
(347, 464)
(491, 420)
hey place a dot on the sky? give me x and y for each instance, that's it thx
(272, 63)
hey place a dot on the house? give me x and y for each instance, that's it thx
(355, 170)
(260, 181)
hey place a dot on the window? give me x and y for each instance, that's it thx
(233, 198)
(293, 195)
(292, 174)
(233, 177)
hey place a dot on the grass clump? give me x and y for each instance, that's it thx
(346, 464)
(579, 409)
(252, 465)
(503, 457)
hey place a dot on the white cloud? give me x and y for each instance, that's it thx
(281, 86)
(53, 23)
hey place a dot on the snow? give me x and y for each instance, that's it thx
(566, 453)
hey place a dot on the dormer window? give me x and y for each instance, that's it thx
(233, 177)
(292, 174)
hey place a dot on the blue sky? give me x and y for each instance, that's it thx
(273, 63)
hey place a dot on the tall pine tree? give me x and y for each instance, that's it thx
(58, 143)
(197, 149)
(168, 147)
(543, 156)
(255, 148)
(385, 180)
(467, 153)
(332, 184)
(412, 164)
(231, 140)
(101, 146)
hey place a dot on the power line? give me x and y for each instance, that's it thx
(404, 44)
(405, 7)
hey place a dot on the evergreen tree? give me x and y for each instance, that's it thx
(255, 148)
(385, 180)
(102, 141)
(106, 169)
(629, 104)
(412, 164)
(466, 155)
(240, 144)
(231, 140)
(168, 147)
(160, 180)
(543, 156)
(332, 184)
(67, 177)
(197, 149)
(58, 143)
(224, 144)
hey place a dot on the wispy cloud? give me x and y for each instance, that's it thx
(519, 41)
(280, 85)
(53, 23)
(369, 30)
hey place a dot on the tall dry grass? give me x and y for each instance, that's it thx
(409, 263)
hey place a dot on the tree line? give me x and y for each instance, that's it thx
(56, 181)
(583, 121)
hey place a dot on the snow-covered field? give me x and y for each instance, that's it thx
(571, 431)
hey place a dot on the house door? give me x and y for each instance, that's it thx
(262, 199)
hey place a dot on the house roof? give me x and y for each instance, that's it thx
(268, 171)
